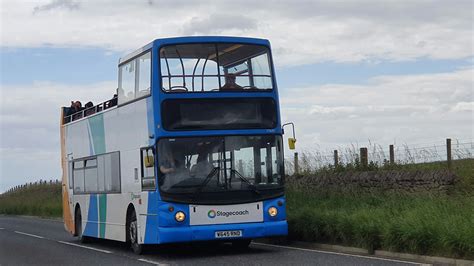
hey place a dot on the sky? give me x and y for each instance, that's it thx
(347, 71)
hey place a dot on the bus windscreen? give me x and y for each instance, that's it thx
(221, 67)
(235, 113)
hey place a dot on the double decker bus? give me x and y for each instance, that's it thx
(189, 149)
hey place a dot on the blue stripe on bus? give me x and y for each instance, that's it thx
(92, 218)
(151, 231)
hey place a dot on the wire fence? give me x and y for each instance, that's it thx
(375, 154)
(32, 184)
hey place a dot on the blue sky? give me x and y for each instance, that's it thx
(348, 72)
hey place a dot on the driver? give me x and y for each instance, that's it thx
(202, 167)
(172, 169)
(230, 83)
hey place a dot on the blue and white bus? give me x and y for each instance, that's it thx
(190, 149)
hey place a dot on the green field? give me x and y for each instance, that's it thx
(38, 200)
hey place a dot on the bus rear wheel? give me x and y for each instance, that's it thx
(78, 227)
(133, 234)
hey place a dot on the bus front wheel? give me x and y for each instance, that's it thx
(133, 234)
(241, 243)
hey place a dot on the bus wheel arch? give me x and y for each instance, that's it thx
(131, 230)
(130, 210)
(78, 225)
(77, 219)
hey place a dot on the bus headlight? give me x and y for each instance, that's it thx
(179, 216)
(272, 211)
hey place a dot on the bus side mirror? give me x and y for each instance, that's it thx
(291, 143)
(149, 161)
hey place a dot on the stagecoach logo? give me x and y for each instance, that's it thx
(134, 196)
(211, 214)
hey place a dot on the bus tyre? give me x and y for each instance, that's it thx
(241, 243)
(133, 234)
(78, 227)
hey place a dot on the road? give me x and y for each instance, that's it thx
(25, 240)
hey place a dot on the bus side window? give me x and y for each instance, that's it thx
(78, 174)
(127, 82)
(148, 168)
(144, 75)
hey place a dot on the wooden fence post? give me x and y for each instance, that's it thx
(297, 168)
(392, 154)
(448, 153)
(336, 159)
(364, 159)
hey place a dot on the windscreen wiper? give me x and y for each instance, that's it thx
(206, 180)
(252, 186)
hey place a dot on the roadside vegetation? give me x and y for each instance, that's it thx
(37, 199)
(430, 224)
(441, 226)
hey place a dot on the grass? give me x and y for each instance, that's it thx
(414, 223)
(38, 200)
(442, 226)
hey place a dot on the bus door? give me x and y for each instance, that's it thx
(147, 181)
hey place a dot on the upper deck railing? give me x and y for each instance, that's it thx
(89, 111)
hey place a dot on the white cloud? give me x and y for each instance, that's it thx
(301, 32)
(407, 108)
(464, 106)
(29, 126)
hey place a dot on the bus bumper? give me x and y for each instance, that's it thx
(207, 232)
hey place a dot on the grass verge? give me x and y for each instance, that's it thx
(38, 200)
(438, 226)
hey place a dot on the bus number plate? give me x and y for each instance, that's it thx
(225, 234)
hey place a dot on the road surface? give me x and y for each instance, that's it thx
(25, 240)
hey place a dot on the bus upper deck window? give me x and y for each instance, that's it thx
(207, 67)
(126, 90)
(144, 75)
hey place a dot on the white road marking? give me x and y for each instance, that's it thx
(337, 253)
(151, 261)
(81, 246)
(26, 234)
(1, 228)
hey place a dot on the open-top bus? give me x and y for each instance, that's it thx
(189, 150)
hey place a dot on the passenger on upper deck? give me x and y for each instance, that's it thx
(89, 108)
(230, 83)
(75, 107)
(113, 102)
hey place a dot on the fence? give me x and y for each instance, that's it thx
(375, 154)
(32, 184)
